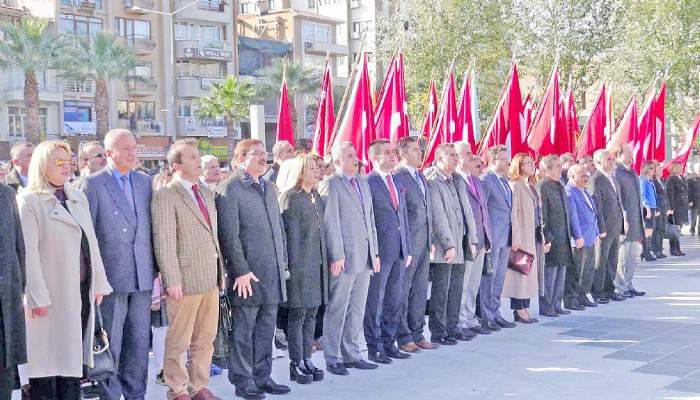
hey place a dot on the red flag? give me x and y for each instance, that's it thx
(465, 110)
(596, 132)
(446, 125)
(529, 107)
(356, 125)
(391, 118)
(626, 129)
(285, 129)
(684, 151)
(646, 131)
(659, 143)
(430, 111)
(325, 117)
(571, 120)
(546, 135)
(508, 119)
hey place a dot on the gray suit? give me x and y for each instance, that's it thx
(500, 203)
(124, 237)
(631, 247)
(348, 219)
(251, 236)
(609, 217)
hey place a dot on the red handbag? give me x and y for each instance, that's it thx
(521, 261)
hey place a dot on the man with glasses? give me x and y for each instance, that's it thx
(251, 236)
(91, 159)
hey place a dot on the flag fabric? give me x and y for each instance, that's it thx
(285, 128)
(356, 126)
(476, 124)
(465, 108)
(659, 143)
(529, 107)
(445, 129)
(597, 129)
(626, 129)
(646, 131)
(325, 117)
(391, 117)
(546, 135)
(430, 111)
(571, 120)
(508, 119)
(683, 152)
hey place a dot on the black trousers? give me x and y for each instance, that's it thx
(250, 344)
(606, 254)
(657, 237)
(415, 291)
(301, 323)
(579, 278)
(318, 332)
(445, 299)
(519, 304)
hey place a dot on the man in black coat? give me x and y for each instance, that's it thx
(657, 238)
(557, 239)
(678, 202)
(13, 349)
(694, 198)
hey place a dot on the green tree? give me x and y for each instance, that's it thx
(103, 57)
(30, 47)
(229, 100)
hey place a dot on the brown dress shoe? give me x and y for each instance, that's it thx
(410, 347)
(426, 345)
(204, 394)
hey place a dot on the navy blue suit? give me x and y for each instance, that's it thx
(383, 308)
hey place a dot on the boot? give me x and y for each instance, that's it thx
(646, 253)
(299, 374)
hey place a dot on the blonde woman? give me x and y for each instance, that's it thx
(522, 288)
(307, 287)
(65, 275)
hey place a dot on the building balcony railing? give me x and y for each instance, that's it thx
(83, 5)
(142, 127)
(212, 5)
(139, 6)
(141, 85)
(194, 86)
(193, 126)
(143, 44)
(203, 49)
(82, 87)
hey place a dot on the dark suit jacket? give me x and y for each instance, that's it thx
(392, 224)
(499, 209)
(582, 215)
(677, 191)
(418, 206)
(631, 202)
(271, 174)
(480, 210)
(694, 191)
(555, 220)
(13, 180)
(661, 197)
(607, 204)
(251, 237)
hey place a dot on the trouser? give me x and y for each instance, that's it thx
(127, 319)
(282, 316)
(158, 345)
(472, 280)
(445, 299)
(694, 216)
(250, 344)
(301, 322)
(193, 321)
(606, 254)
(318, 331)
(383, 307)
(579, 279)
(345, 310)
(519, 304)
(554, 281)
(54, 388)
(626, 265)
(491, 286)
(657, 237)
(7, 380)
(415, 292)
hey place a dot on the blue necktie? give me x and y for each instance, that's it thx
(128, 193)
(419, 180)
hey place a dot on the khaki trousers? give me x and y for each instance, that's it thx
(193, 321)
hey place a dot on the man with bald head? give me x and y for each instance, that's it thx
(120, 204)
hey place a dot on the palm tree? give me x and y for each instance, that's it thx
(30, 47)
(229, 100)
(102, 58)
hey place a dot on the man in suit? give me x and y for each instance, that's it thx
(605, 191)
(558, 256)
(120, 204)
(584, 232)
(251, 235)
(630, 197)
(474, 191)
(20, 156)
(420, 219)
(186, 246)
(282, 150)
(566, 160)
(499, 200)
(447, 258)
(91, 158)
(661, 220)
(353, 254)
(383, 308)
(693, 179)
(211, 171)
(678, 202)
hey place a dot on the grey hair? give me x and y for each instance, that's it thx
(113, 135)
(573, 170)
(337, 151)
(548, 161)
(17, 148)
(598, 155)
(207, 159)
(277, 148)
(461, 145)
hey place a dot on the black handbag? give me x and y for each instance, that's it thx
(225, 314)
(103, 361)
(488, 265)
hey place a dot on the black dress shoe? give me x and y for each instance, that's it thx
(250, 392)
(503, 323)
(562, 311)
(317, 373)
(379, 357)
(361, 364)
(480, 330)
(393, 352)
(299, 374)
(573, 306)
(637, 293)
(602, 300)
(337, 369)
(626, 294)
(492, 326)
(447, 341)
(660, 255)
(584, 301)
(466, 332)
(549, 313)
(274, 388)
(648, 257)
(460, 337)
(617, 297)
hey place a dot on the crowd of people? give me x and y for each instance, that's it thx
(310, 253)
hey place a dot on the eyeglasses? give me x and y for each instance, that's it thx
(256, 153)
(98, 155)
(62, 161)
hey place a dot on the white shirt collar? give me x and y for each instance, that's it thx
(383, 174)
(463, 174)
(410, 169)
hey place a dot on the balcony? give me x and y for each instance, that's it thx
(148, 127)
(14, 87)
(139, 6)
(11, 8)
(141, 86)
(192, 126)
(192, 86)
(211, 5)
(203, 50)
(143, 44)
(87, 6)
(206, 10)
(80, 88)
(323, 48)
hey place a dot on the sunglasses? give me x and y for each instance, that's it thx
(98, 155)
(62, 161)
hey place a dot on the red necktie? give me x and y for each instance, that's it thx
(392, 192)
(200, 202)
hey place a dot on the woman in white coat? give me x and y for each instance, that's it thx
(65, 275)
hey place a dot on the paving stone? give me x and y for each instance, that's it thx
(660, 368)
(685, 385)
(584, 333)
(632, 355)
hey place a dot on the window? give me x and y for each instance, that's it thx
(187, 108)
(271, 5)
(355, 27)
(133, 29)
(246, 8)
(209, 35)
(317, 32)
(79, 25)
(312, 4)
(136, 110)
(200, 69)
(16, 117)
(144, 69)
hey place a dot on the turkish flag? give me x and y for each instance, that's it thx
(465, 111)
(430, 111)
(646, 131)
(659, 143)
(508, 119)
(626, 131)
(391, 117)
(285, 129)
(684, 151)
(325, 116)
(547, 134)
(596, 132)
(571, 121)
(445, 130)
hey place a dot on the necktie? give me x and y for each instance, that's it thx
(506, 188)
(472, 186)
(353, 180)
(419, 180)
(126, 188)
(200, 202)
(392, 192)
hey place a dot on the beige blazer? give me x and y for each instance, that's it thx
(186, 247)
(52, 238)
(517, 285)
